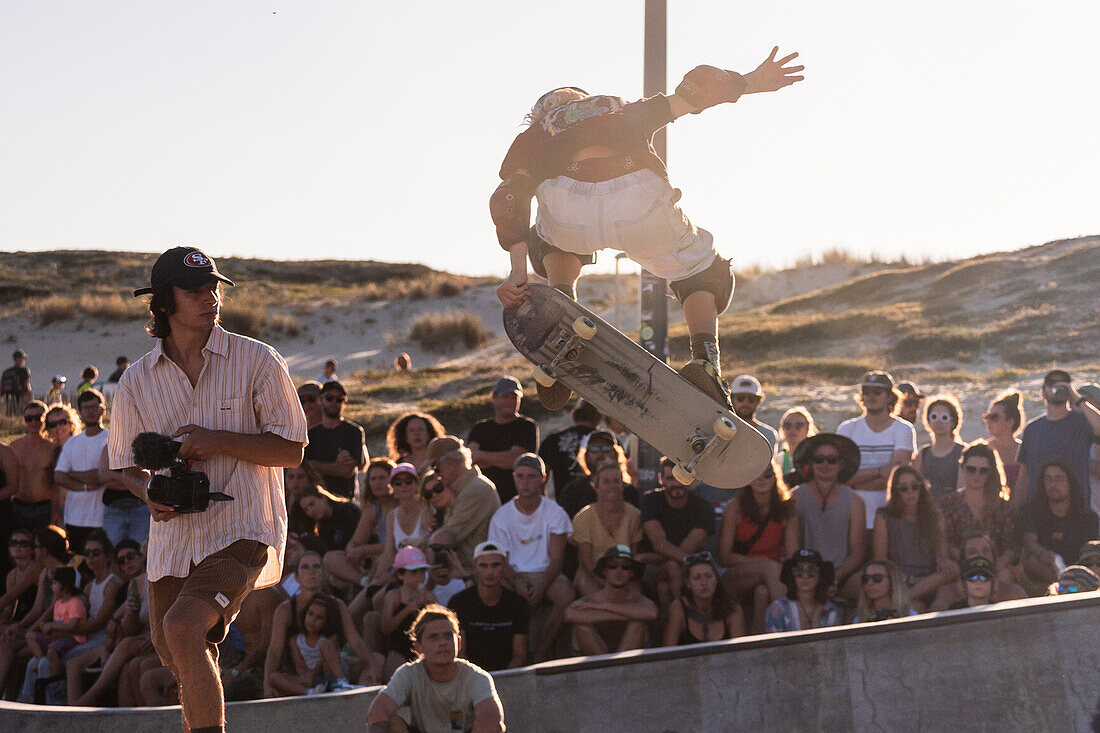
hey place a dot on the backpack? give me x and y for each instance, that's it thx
(9, 382)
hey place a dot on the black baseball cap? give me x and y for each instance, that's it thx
(186, 268)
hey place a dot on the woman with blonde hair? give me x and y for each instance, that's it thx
(883, 593)
(1004, 420)
(597, 448)
(603, 524)
(796, 425)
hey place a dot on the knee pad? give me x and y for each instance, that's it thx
(717, 279)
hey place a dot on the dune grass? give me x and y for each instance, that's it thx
(443, 332)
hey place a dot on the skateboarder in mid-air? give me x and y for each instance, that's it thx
(600, 184)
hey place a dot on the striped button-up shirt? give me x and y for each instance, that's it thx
(243, 387)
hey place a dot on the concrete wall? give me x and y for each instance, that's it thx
(1025, 666)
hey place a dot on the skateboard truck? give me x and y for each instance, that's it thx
(701, 446)
(568, 346)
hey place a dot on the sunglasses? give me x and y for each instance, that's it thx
(37, 417)
(430, 491)
(57, 423)
(1068, 588)
(601, 448)
(335, 398)
(831, 460)
(873, 391)
(310, 566)
(907, 487)
(806, 571)
(794, 425)
(698, 558)
(306, 399)
(983, 470)
(746, 398)
(127, 557)
(991, 416)
(441, 548)
(403, 481)
(623, 565)
(94, 553)
(911, 402)
(19, 543)
(979, 578)
(872, 578)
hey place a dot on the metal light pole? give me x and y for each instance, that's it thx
(653, 326)
(618, 293)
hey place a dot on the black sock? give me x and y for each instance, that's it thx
(705, 346)
(209, 729)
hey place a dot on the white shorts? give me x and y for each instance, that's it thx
(635, 213)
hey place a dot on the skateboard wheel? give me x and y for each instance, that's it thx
(543, 378)
(725, 428)
(683, 475)
(584, 327)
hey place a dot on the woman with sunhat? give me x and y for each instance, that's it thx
(808, 578)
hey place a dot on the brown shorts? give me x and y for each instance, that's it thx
(222, 580)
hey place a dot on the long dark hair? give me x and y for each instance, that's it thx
(929, 532)
(54, 539)
(161, 305)
(995, 487)
(1014, 411)
(779, 508)
(721, 606)
(398, 444)
(332, 615)
(1077, 505)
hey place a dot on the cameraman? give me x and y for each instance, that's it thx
(231, 401)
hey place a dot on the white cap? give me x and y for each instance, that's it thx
(746, 384)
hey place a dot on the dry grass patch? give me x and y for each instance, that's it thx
(103, 307)
(441, 332)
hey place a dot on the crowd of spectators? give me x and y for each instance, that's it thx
(549, 549)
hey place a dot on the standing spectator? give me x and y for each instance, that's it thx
(746, 394)
(534, 530)
(796, 425)
(337, 447)
(87, 378)
(475, 498)
(61, 423)
(911, 398)
(613, 618)
(57, 390)
(977, 544)
(597, 448)
(438, 691)
(77, 470)
(122, 363)
(938, 462)
(1055, 525)
(702, 612)
(603, 525)
(33, 500)
(328, 372)
(1091, 392)
(232, 401)
(408, 437)
(884, 441)
(125, 515)
(676, 523)
(494, 619)
(883, 594)
(806, 605)
(1003, 420)
(496, 442)
(559, 450)
(759, 529)
(979, 579)
(9, 484)
(15, 383)
(1062, 433)
(909, 531)
(309, 395)
(982, 504)
(830, 513)
(401, 605)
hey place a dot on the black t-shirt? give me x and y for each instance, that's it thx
(326, 443)
(677, 523)
(492, 436)
(1063, 535)
(334, 532)
(578, 494)
(16, 380)
(559, 451)
(488, 630)
(116, 375)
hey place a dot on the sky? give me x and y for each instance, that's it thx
(359, 130)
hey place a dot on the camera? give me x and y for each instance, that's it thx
(187, 492)
(1059, 393)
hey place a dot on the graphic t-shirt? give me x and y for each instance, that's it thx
(527, 536)
(559, 451)
(488, 630)
(875, 451)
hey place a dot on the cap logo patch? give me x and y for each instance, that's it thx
(196, 259)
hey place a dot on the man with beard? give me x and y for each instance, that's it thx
(612, 619)
(337, 447)
(746, 394)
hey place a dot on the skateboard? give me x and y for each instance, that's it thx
(567, 342)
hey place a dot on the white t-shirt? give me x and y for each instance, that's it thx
(527, 537)
(443, 593)
(440, 706)
(875, 451)
(82, 453)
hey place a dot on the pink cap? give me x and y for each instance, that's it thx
(410, 558)
(403, 468)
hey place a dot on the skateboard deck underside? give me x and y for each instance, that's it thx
(627, 383)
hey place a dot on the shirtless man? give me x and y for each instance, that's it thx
(34, 499)
(612, 619)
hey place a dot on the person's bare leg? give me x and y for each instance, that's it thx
(337, 564)
(287, 684)
(562, 271)
(633, 636)
(185, 626)
(560, 595)
(587, 640)
(761, 599)
(74, 673)
(122, 654)
(129, 684)
(372, 630)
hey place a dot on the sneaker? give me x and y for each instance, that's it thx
(554, 397)
(703, 376)
(317, 689)
(342, 685)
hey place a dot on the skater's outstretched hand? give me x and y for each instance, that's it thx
(772, 75)
(513, 291)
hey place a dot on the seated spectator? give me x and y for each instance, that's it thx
(494, 620)
(334, 518)
(806, 605)
(759, 529)
(295, 481)
(981, 504)
(597, 448)
(1003, 421)
(56, 633)
(497, 441)
(1055, 525)
(401, 605)
(250, 634)
(21, 584)
(702, 611)
(830, 513)
(534, 530)
(977, 544)
(938, 462)
(314, 651)
(1089, 556)
(909, 531)
(402, 362)
(627, 442)
(407, 525)
(883, 594)
(676, 523)
(559, 450)
(1075, 579)
(979, 578)
(446, 576)
(408, 437)
(606, 523)
(439, 496)
(438, 691)
(102, 592)
(368, 542)
(614, 618)
(475, 497)
(796, 425)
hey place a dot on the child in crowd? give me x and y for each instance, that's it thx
(400, 605)
(49, 641)
(315, 652)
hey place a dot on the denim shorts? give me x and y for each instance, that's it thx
(636, 213)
